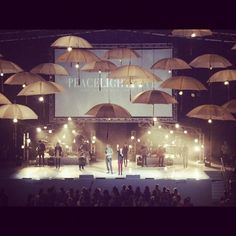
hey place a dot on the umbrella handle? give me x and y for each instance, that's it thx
(107, 131)
(99, 81)
(2, 84)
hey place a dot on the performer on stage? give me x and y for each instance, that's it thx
(108, 156)
(82, 159)
(120, 157)
(125, 151)
(58, 155)
(144, 154)
(185, 156)
(162, 151)
(41, 149)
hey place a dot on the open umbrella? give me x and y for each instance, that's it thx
(58, 86)
(171, 64)
(210, 61)
(234, 47)
(23, 78)
(121, 53)
(154, 97)
(99, 66)
(230, 106)
(8, 67)
(223, 76)
(4, 99)
(187, 33)
(71, 42)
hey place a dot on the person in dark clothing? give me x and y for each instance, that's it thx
(82, 160)
(162, 151)
(120, 160)
(41, 149)
(125, 151)
(144, 154)
(58, 155)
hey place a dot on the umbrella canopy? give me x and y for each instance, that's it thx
(121, 53)
(4, 99)
(8, 67)
(108, 110)
(133, 72)
(154, 97)
(222, 76)
(210, 61)
(96, 66)
(183, 83)
(71, 41)
(49, 69)
(191, 32)
(171, 64)
(23, 78)
(39, 88)
(78, 55)
(230, 106)
(212, 112)
(16, 111)
(234, 47)
(58, 86)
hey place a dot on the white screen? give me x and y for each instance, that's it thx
(76, 100)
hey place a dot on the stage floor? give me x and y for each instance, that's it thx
(195, 171)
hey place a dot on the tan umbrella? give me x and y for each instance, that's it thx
(182, 83)
(49, 69)
(171, 64)
(22, 78)
(223, 76)
(58, 86)
(188, 33)
(99, 66)
(210, 61)
(17, 111)
(230, 106)
(154, 97)
(71, 42)
(4, 99)
(210, 112)
(234, 47)
(8, 67)
(39, 88)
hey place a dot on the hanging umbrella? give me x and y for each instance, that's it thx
(212, 112)
(39, 88)
(49, 69)
(99, 66)
(4, 99)
(210, 61)
(230, 106)
(171, 64)
(17, 111)
(58, 86)
(8, 67)
(223, 76)
(187, 33)
(1, 55)
(234, 47)
(71, 42)
(182, 83)
(22, 78)
(154, 97)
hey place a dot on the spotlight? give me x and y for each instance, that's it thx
(2, 74)
(211, 68)
(99, 72)
(159, 126)
(210, 121)
(45, 127)
(94, 137)
(93, 141)
(74, 141)
(77, 66)
(185, 131)
(67, 146)
(65, 126)
(154, 119)
(173, 142)
(130, 146)
(64, 136)
(140, 85)
(69, 49)
(193, 35)
(22, 146)
(180, 93)
(138, 140)
(132, 137)
(166, 136)
(50, 131)
(169, 71)
(38, 129)
(23, 85)
(132, 86)
(69, 119)
(87, 141)
(226, 83)
(73, 131)
(202, 146)
(28, 140)
(149, 132)
(196, 140)
(15, 120)
(171, 131)
(176, 126)
(41, 99)
(196, 148)
(193, 95)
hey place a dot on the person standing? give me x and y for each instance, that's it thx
(120, 157)
(58, 155)
(162, 151)
(82, 159)
(144, 154)
(108, 155)
(41, 149)
(185, 156)
(125, 151)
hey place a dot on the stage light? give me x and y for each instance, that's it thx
(138, 140)
(132, 137)
(149, 132)
(165, 145)
(67, 146)
(2, 74)
(196, 148)
(171, 131)
(180, 93)
(65, 126)
(140, 85)
(154, 119)
(23, 85)
(59, 141)
(210, 68)
(210, 121)
(87, 141)
(132, 86)
(173, 142)
(169, 71)
(77, 66)
(50, 131)
(74, 141)
(193, 35)
(69, 49)
(193, 95)
(45, 127)
(185, 131)
(94, 137)
(93, 141)
(69, 119)
(226, 83)
(15, 120)
(130, 146)
(64, 136)
(159, 126)
(38, 129)
(196, 140)
(202, 146)
(176, 126)
(166, 136)
(73, 131)
(41, 99)
(99, 72)
(28, 140)
(22, 146)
